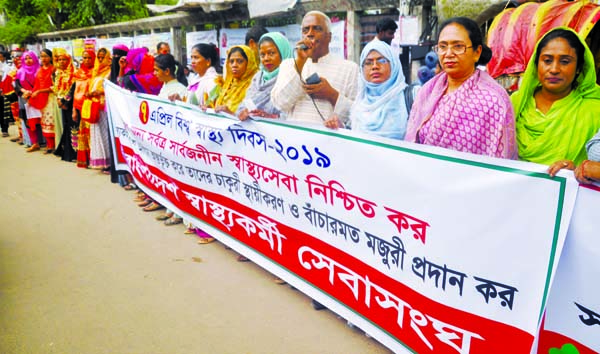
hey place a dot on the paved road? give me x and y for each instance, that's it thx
(84, 270)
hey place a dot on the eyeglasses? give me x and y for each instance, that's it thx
(370, 62)
(457, 49)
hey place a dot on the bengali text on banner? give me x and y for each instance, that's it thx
(427, 250)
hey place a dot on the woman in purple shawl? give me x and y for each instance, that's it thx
(139, 72)
(463, 108)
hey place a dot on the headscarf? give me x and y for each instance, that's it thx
(64, 77)
(26, 74)
(571, 121)
(82, 79)
(43, 80)
(100, 72)
(285, 52)
(139, 72)
(58, 51)
(234, 90)
(118, 51)
(380, 109)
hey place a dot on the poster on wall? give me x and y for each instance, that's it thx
(292, 32)
(67, 45)
(228, 38)
(193, 38)
(109, 43)
(151, 40)
(89, 44)
(77, 48)
(337, 45)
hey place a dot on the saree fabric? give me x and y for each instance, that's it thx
(476, 118)
(43, 80)
(234, 90)
(99, 141)
(380, 109)
(563, 131)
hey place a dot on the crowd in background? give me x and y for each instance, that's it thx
(554, 118)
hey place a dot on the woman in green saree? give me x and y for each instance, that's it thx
(557, 107)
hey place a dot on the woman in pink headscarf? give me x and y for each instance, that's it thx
(25, 83)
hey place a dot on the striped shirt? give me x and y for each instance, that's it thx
(289, 96)
(593, 147)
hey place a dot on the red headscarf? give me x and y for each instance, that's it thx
(82, 79)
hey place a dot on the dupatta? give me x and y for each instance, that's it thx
(380, 109)
(571, 121)
(43, 80)
(63, 79)
(26, 74)
(82, 79)
(477, 118)
(233, 90)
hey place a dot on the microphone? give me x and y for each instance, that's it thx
(302, 47)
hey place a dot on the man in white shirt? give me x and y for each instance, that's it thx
(337, 89)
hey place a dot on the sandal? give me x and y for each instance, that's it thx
(145, 203)
(163, 217)
(173, 221)
(130, 187)
(206, 240)
(32, 148)
(153, 206)
(190, 231)
(15, 139)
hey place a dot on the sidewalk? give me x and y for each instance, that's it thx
(84, 270)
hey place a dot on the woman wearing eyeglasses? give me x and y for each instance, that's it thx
(463, 108)
(380, 108)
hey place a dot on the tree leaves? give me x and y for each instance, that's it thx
(27, 18)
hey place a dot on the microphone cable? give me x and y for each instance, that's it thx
(304, 82)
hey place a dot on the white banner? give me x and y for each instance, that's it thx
(426, 249)
(573, 312)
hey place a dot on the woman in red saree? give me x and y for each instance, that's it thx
(39, 99)
(82, 80)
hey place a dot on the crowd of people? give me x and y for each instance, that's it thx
(553, 119)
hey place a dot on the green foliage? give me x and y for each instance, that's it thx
(27, 18)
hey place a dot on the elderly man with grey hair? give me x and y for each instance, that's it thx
(316, 85)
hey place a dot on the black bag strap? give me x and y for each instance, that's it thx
(409, 95)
